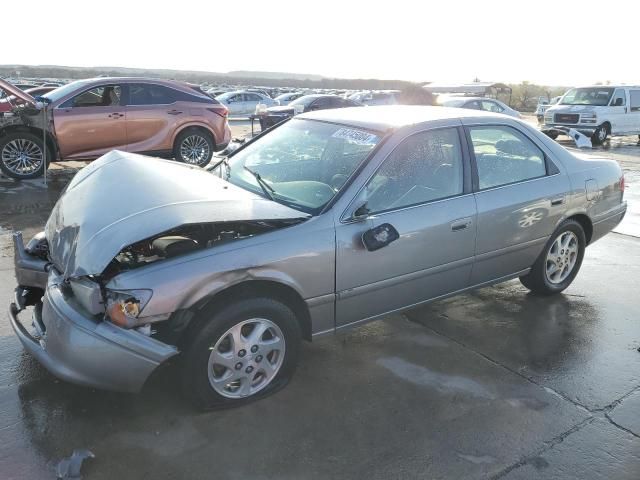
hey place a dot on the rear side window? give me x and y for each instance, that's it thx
(635, 100)
(149, 94)
(504, 156)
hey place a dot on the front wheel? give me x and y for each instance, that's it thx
(194, 146)
(241, 352)
(600, 135)
(21, 155)
(559, 262)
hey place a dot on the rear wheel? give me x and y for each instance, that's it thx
(194, 146)
(21, 155)
(601, 134)
(241, 352)
(559, 262)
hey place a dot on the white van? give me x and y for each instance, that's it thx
(596, 111)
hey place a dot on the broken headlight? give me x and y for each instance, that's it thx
(124, 306)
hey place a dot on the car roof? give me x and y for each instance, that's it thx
(383, 118)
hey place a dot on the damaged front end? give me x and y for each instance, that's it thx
(83, 330)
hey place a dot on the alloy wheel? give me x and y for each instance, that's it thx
(194, 150)
(246, 358)
(562, 257)
(22, 157)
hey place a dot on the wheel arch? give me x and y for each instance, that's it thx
(52, 143)
(193, 125)
(585, 223)
(262, 288)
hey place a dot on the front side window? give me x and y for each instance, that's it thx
(301, 163)
(427, 166)
(504, 156)
(619, 98)
(148, 94)
(103, 96)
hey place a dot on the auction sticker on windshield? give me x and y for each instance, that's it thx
(356, 136)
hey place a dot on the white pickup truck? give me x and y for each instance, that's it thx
(597, 111)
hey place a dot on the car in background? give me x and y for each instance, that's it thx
(543, 106)
(375, 98)
(330, 220)
(88, 118)
(306, 103)
(479, 103)
(287, 98)
(8, 103)
(21, 86)
(242, 103)
(597, 111)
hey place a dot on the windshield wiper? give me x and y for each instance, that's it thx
(266, 188)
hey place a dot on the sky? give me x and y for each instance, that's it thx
(443, 41)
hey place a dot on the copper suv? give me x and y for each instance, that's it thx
(88, 118)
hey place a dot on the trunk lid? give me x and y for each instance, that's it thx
(123, 198)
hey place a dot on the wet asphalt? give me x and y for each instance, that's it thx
(496, 383)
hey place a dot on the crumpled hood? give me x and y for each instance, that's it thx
(123, 198)
(13, 90)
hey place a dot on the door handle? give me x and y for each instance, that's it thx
(116, 115)
(557, 201)
(461, 224)
(174, 112)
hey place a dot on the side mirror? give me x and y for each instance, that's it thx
(619, 102)
(361, 213)
(380, 236)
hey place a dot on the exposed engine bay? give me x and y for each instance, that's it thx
(187, 239)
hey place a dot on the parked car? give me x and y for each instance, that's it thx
(331, 219)
(375, 98)
(543, 106)
(480, 103)
(306, 103)
(91, 117)
(7, 104)
(21, 86)
(287, 98)
(596, 111)
(243, 103)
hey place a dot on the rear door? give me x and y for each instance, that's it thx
(420, 190)
(252, 101)
(91, 123)
(153, 114)
(520, 195)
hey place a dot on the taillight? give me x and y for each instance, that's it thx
(221, 110)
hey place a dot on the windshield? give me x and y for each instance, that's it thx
(597, 96)
(63, 91)
(302, 163)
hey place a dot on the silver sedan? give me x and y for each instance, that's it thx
(329, 220)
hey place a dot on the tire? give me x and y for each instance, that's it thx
(600, 135)
(551, 135)
(22, 143)
(194, 146)
(212, 385)
(538, 280)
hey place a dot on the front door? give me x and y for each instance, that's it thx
(618, 112)
(420, 190)
(91, 123)
(520, 199)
